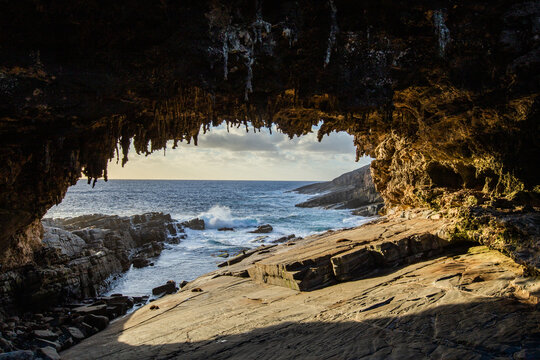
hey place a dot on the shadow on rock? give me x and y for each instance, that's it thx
(485, 329)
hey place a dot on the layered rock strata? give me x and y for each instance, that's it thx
(352, 190)
(353, 254)
(80, 255)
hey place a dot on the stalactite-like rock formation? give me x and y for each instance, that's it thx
(444, 95)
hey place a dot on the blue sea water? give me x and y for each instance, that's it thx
(242, 205)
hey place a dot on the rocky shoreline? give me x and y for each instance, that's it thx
(403, 286)
(53, 302)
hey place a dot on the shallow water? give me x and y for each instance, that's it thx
(242, 205)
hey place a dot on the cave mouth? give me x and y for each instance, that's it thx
(444, 96)
(237, 153)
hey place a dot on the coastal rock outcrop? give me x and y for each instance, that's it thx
(352, 190)
(351, 254)
(79, 256)
(195, 224)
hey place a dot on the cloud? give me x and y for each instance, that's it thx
(336, 143)
(241, 155)
(234, 142)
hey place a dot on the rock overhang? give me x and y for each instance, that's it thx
(444, 96)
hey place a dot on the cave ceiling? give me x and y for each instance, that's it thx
(442, 94)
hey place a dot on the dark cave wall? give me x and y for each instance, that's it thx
(444, 94)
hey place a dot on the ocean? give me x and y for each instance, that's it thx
(242, 205)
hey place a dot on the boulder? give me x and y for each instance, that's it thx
(140, 262)
(259, 239)
(98, 321)
(75, 333)
(65, 340)
(284, 239)
(226, 229)
(48, 353)
(116, 310)
(168, 288)
(45, 334)
(88, 330)
(263, 229)
(91, 310)
(195, 224)
(6, 345)
(140, 299)
(117, 299)
(44, 343)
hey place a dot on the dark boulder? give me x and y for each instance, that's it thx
(46, 334)
(284, 239)
(75, 333)
(168, 288)
(98, 321)
(140, 262)
(195, 224)
(263, 229)
(48, 353)
(100, 309)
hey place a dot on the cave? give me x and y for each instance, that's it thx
(443, 95)
(449, 85)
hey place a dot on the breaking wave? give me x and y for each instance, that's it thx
(221, 216)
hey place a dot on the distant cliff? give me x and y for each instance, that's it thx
(352, 190)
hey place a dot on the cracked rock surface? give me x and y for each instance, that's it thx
(473, 304)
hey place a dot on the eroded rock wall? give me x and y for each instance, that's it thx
(444, 95)
(78, 257)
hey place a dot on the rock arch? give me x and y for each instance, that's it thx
(443, 95)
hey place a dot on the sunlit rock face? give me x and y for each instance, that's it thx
(444, 95)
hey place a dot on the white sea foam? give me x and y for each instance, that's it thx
(221, 216)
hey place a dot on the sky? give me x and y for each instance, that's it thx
(237, 155)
